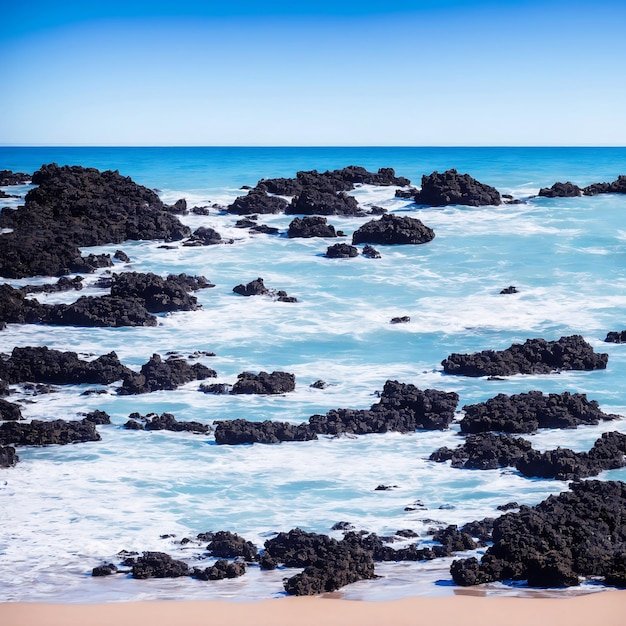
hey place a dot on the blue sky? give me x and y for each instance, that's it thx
(451, 72)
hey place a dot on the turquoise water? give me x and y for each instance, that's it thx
(70, 508)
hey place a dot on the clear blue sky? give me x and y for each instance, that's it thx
(188, 72)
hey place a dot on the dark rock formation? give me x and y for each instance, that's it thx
(264, 383)
(219, 570)
(526, 412)
(63, 284)
(41, 364)
(257, 201)
(4, 388)
(508, 290)
(9, 412)
(617, 186)
(158, 565)
(310, 226)
(577, 533)
(393, 229)
(205, 236)
(561, 190)
(120, 255)
(225, 544)
(405, 319)
(158, 374)
(8, 458)
(341, 251)
(97, 417)
(76, 207)
(370, 252)
(534, 356)
(616, 336)
(454, 188)
(38, 433)
(7, 177)
(104, 570)
(312, 201)
(240, 431)
(165, 421)
(486, 451)
(257, 288)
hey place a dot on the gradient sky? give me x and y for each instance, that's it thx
(187, 72)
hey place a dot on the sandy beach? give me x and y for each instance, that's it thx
(605, 608)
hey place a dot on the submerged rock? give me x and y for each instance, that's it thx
(9, 411)
(534, 356)
(561, 190)
(8, 457)
(240, 431)
(220, 570)
(165, 421)
(616, 336)
(450, 187)
(393, 229)
(158, 565)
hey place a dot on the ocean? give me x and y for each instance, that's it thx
(66, 509)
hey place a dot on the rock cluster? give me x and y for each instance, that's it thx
(8, 457)
(534, 356)
(75, 207)
(257, 288)
(577, 533)
(7, 177)
(9, 412)
(165, 421)
(266, 383)
(39, 433)
(615, 336)
(561, 190)
(450, 187)
(310, 226)
(241, 431)
(342, 251)
(393, 229)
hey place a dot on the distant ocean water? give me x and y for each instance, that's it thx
(66, 509)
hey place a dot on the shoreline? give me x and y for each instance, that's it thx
(606, 608)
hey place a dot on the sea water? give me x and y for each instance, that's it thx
(66, 509)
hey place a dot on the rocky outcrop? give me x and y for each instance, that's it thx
(264, 383)
(38, 433)
(41, 364)
(63, 284)
(75, 207)
(370, 252)
(310, 226)
(7, 177)
(316, 202)
(534, 356)
(616, 336)
(205, 236)
(225, 544)
(165, 421)
(617, 186)
(158, 374)
(9, 412)
(526, 412)
(393, 229)
(450, 187)
(241, 431)
(257, 201)
(508, 290)
(561, 190)
(220, 570)
(8, 457)
(257, 288)
(97, 417)
(577, 533)
(486, 451)
(158, 565)
(341, 251)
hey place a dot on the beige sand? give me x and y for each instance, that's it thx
(596, 609)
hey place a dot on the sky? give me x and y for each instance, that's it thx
(237, 73)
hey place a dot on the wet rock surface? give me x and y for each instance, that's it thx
(39, 433)
(8, 457)
(165, 421)
(226, 544)
(341, 251)
(392, 229)
(450, 187)
(266, 383)
(9, 411)
(616, 336)
(158, 565)
(534, 356)
(617, 186)
(310, 226)
(561, 190)
(257, 201)
(241, 431)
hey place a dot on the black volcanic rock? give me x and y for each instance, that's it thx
(9, 411)
(310, 226)
(158, 374)
(253, 288)
(370, 252)
(534, 356)
(158, 565)
(43, 365)
(229, 545)
(617, 186)
(38, 433)
(220, 570)
(616, 336)
(204, 236)
(450, 187)
(581, 532)
(63, 284)
(315, 202)
(485, 451)
(341, 251)
(561, 190)
(7, 177)
(393, 229)
(257, 201)
(8, 458)
(240, 431)
(97, 417)
(165, 421)
(76, 207)
(264, 383)
(508, 290)
(526, 412)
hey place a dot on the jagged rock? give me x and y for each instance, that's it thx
(508, 506)
(486, 451)
(454, 540)
(165, 421)
(319, 384)
(257, 201)
(393, 229)
(7, 177)
(75, 207)
(312, 201)
(220, 570)
(405, 319)
(617, 186)
(63, 284)
(616, 337)
(450, 187)
(577, 533)
(8, 458)
(534, 356)
(158, 374)
(370, 252)
(345, 526)
(9, 411)
(41, 364)
(120, 255)
(561, 190)
(218, 388)
(240, 431)
(264, 383)
(229, 545)
(158, 565)
(97, 417)
(310, 226)
(509, 290)
(104, 570)
(179, 207)
(341, 251)
(204, 236)
(38, 433)
(253, 288)
(526, 412)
